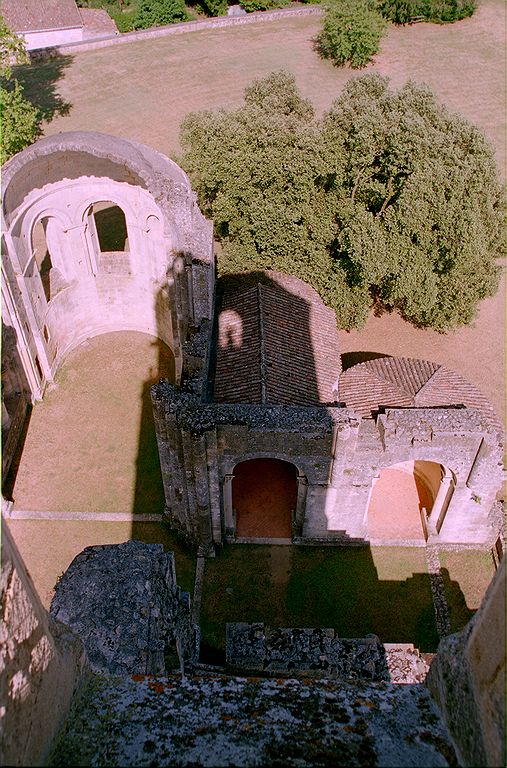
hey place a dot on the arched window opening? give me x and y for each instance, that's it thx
(109, 236)
(42, 257)
(264, 498)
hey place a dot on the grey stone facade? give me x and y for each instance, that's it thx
(337, 455)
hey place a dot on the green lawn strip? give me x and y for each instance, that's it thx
(467, 574)
(326, 587)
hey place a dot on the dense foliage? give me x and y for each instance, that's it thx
(351, 32)
(388, 201)
(19, 119)
(404, 11)
(251, 6)
(152, 13)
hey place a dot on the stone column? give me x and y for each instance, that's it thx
(299, 517)
(439, 508)
(230, 523)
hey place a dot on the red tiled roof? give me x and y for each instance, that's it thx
(277, 343)
(36, 15)
(397, 382)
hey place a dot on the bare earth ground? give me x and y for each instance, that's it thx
(143, 90)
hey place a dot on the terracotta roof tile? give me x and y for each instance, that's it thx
(277, 343)
(33, 15)
(404, 382)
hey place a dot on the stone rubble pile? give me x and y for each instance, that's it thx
(124, 603)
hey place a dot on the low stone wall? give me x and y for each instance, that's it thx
(173, 29)
(123, 601)
(467, 680)
(251, 647)
(41, 666)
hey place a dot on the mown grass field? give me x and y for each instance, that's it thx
(142, 90)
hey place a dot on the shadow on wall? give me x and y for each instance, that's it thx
(39, 81)
(16, 409)
(353, 358)
(149, 490)
(335, 587)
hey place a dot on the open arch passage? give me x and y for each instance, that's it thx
(402, 500)
(108, 236)
(264, 494)
(111, 227)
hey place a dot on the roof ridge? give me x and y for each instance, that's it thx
(421, 391)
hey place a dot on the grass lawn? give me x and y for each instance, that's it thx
(319, 587)
(49, 546)
(142, 90)
(91, 445)
(467, 575)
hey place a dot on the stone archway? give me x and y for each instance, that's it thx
(108, 237)
(264, 498)
(408, 501)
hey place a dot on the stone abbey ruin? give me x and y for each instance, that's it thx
(257, 362)
(102, 234)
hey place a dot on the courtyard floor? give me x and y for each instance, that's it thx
(90, 447)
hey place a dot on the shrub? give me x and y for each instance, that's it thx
(153, 13)
(250, 6)
(214, 7)
(404, 11)
(19, 120)
(124, 21)
(351, 32)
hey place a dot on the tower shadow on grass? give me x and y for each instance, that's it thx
(39, 81)
(327, 587)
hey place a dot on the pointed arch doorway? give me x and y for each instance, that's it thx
(264, 498)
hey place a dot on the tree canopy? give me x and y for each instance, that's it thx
(351, 32)
(19, 119)
(388, 201)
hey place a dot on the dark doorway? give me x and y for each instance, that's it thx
(111, 227)
(264, 495)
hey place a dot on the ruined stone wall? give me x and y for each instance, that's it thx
(201, 443)
(336, 454)
(453, 438)
(123, 601)
(467, 679)
(41, 665)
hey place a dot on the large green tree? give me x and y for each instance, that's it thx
(389, 200)
(20, 121)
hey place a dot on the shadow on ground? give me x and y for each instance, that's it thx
(334, 587)
(39, 81)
